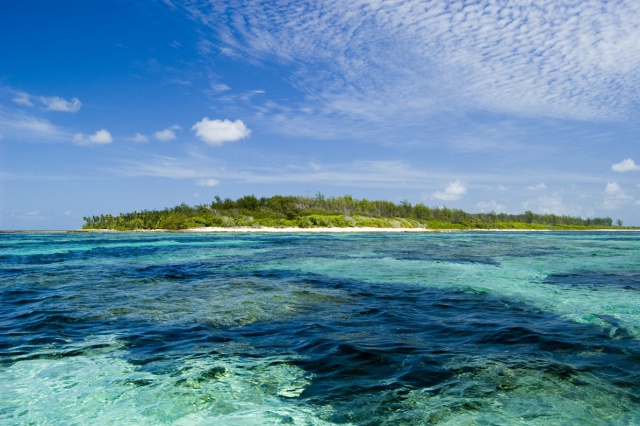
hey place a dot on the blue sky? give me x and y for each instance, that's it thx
(117, 106)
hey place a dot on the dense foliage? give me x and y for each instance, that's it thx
(321, 211)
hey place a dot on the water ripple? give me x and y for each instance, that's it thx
(320, 329)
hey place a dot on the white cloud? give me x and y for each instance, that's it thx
(53, 103)
(220, 87)
(359, 174)
(626, 165)
(217, 132)
(491, 206)
(539, 187)
(167, 167)
(139, 138)
(452, 192)
(167, 134)
(23, 126)
(22, 98)
(36, 125)
(278, 169)
(100, 137)
(551, 204)
(56, 103)
(533, 58)
(614, 196)
(249, 94)
(208, 182)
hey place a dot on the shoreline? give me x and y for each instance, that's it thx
(291, 230)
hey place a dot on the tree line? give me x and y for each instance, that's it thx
(321, 211)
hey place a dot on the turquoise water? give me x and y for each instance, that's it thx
(362, 329)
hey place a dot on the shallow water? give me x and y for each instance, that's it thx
(372, 329)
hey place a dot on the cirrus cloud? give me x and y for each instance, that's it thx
(217, 132)
(561, 59)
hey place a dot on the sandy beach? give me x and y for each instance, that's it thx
(312, 230)
(289, 230)
(292, 230)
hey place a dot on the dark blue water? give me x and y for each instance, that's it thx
(371, 329)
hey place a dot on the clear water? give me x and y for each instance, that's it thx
(362, 329)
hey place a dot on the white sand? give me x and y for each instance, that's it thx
(310, 230)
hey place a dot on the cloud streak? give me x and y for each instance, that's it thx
(24, 126)
(208, 182)
(22, 99)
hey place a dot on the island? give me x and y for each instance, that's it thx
(332, 213)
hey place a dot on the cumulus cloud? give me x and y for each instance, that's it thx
(452, 192)
(626, 165)
(217, 132)
(208, 182)
(56, 103)
(539, 187)
(167, 134)
(101, 137)
(139, 138)
(614, 196)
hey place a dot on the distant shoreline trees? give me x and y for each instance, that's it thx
(320, 211)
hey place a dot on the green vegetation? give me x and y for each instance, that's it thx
(342, 212)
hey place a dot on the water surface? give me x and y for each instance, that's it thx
(313, 329)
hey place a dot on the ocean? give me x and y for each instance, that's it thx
(462, 328)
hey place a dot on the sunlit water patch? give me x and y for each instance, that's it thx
(447, 329)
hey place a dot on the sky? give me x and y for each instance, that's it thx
(492, 105)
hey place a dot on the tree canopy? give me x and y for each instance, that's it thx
(321, 211)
